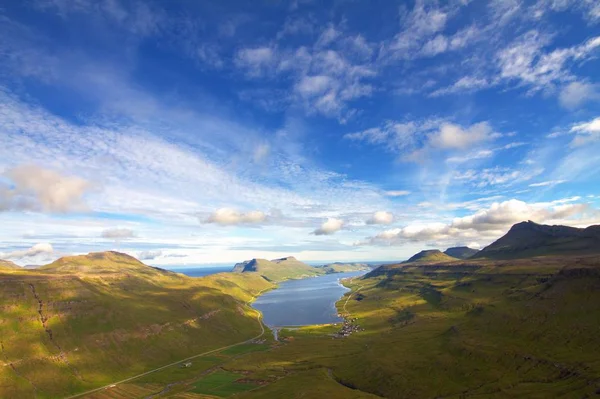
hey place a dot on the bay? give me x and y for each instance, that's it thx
(304, 302)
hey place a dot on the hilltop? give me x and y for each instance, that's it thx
(430, 255)
(529, 239)
(6, 264)
(277, 269)
(461, 252)
(101, 263)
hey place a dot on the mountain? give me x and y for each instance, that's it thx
(528, 239)
(277, 269)
(461, 252)
(341, 267)
(431, 255)
(109, 262)
(6, 264)
(84, 321)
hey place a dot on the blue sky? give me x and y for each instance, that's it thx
(203, 132)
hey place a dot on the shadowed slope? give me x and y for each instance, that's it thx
(460, 252)
(528, 239)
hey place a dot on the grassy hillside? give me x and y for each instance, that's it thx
(86, 321)
(485, 329)
(339, 267)
(529, 239)
(278, 269)
(461, 252)
(432, 255)
(6, 264)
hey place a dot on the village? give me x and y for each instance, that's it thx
(349, 326)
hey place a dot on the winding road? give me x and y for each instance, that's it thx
(114, 384)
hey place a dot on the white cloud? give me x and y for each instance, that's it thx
(526, 61)
(148, 255)
(577, 93)
(397, 193)
(487, 224)
(228, 216)
(549, 183)
(329, 227)
(454, 136)
(257, 60)
(37, 249)
(118, 234)
(381, 217)
(313, 85)
(38, 189)
(586, 132)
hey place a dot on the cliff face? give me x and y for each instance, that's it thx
(531, 239)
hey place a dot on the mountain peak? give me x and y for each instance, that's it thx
(528, 239)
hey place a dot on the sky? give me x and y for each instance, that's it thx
(189, 132)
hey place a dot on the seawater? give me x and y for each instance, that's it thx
(303, 302)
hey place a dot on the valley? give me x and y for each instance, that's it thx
(107, 326)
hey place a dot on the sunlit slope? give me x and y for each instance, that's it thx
(525, 329)
(278, 269)
(430, 255)
(87, 321)
(6, 264)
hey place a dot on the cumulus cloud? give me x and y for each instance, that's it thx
(118, 234)
(456, 137)
(37, 249)
(381, 217)
(33, 188)
(329, 227)
(487, 223)
(228, 217)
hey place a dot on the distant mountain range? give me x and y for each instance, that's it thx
(341, 267)
(528, 239)
(524, 240)
(278, 269)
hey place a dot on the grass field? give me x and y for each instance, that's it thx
(221, 383)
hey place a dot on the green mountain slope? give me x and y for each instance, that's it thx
(488, 330)
(431, 255)
(461, 252)
(278, 269)
(86, 321)
(528, 239)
